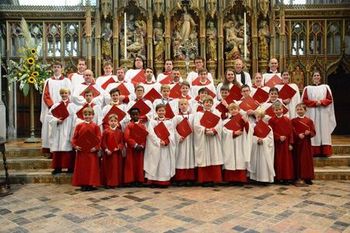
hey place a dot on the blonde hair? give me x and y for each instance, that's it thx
(88, 110)
(64, 90)
(164, 86)
(233, 106)
(259, 112)
(208, 99)
(113, 116)
(277, 105)
(183, 100)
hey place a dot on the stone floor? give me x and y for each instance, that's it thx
(322, 207)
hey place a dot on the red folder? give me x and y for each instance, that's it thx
(161, 131)
(139, 78)
(209, 120)
(87, 140)
(273, 81)
(93, 89)
(235, 94)
(260, 95)
(152, 95)
(248, 104)
(60, 111)
(236, 123)
(80, 114)
(169, 112)
(271, 113)
(300, 126)
(139, 134)
(261, 129)
(175, 92)
(221, 108)
(286, 92)
(114, 110)
(212, 94)
(167, 80)
(142, 106)
(123, 90)
(109, 81)
(184, 128)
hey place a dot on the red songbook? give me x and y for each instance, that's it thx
(261, 95)
(60, 111)
(80, 114)
(273, 81)
(167, 80)
(123, 90)
(95, 92)
(236, 123)
(212, 94)
(139, 134)
(248, 104)
(114, 110)
(271, 113)
(142, 106)
(175, 92)
(209, 120)
(221, 108)
(87, 140)
(152, 95)
(109, 81)
(286, 92)
(161, 131)
(261, 129)
(235, 94)
(169, 112)
(184, 128)
(139, 78)
(300, 126)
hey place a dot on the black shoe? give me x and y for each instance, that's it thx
(56, 171)
(208, 184)
(309, 182)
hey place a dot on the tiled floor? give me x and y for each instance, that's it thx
(322, 207)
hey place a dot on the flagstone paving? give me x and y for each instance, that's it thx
(322, 207)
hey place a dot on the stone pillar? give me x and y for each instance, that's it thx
(2, 109)
(255, 40)
(88, 36)
(98, 56)
(283, 64)
(115, 36)
(202, 31)
(167, 31)
(149, 35)
(220, 48)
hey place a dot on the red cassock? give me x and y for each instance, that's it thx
(63, 159)
(304, 165)
(112, 165)
(86, 171)
(284, 168)
(133, 166)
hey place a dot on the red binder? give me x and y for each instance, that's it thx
(261, 129)
(209, 120)
(260, 95)
(184, 128)
(123, 90)
(248, 104)
(169, 112)
(300, 126)
(114, 110)
(175, 92)
(235, 123)
(221, 108)
(161, 131)
(273, 81)
(152, 95)
(95, 92)
(60, 111)
(271, 113)
(142, 106)
(139, 134)
(286, 92)
(88, 140)
(212, 94)
(139, 78)
(235, 94)
(167, 80)
(109, 81)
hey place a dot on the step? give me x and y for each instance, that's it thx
(37, 176)
(341, 149)
(335, 160)
(332, 173)
(25, 163)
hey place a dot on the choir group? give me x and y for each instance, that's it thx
(135, 129)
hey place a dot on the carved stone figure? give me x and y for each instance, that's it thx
(158, 40)
(211, 6)
(264, 7)
(234, 39)
(106, 8)
(188, 25)
(298, 77)
(264, 38)
(106, 41)
(211, 41)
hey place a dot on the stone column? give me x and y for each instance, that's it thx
(220, 48)
(2, 109)
(255, 40)
(115, 36)
(98, 56)
(283, 64)
(88, 37)
(149, 35)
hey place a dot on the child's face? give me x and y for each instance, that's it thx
(88, 116)
(207, 105)
(300, 111)
(89, 97)
(245, 92)
(165, 92)
(161, 112)
(134, 115)
(57, 69)
(139, 93)
(278, 111)
(202, 95)
(258, 117)
(258, 80)
(233, 111)
(115, 96)
(273, 96)
(204, 75)
(64, 95)
(184, 90)
(113, 122)
(285, 77)
(183, 106)
(224, 93)
(108, 70)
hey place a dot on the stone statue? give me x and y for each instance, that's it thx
(106, 8)
(264, 38)
(188, 25)
(211, 41)
(137, 46)
(106, 41)
(298, 77)
(211, 6)
(264, 7)
(158, 40)
(234, 39)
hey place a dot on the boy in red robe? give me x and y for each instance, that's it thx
(112, 160)
(283, 137)
(135, 148)
(86, 141)
(304, 130)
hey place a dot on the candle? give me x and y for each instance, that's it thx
(245, 35)
(125, 37)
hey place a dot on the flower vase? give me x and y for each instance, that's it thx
(32, 138)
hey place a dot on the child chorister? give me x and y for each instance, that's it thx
(61, 120)
(207, 146)
(283, 137)
(159, 161)
(86, 141)
(236, 145)
(185, 167)
(261, 167)
(112, 160)
(304, 130)
(114, 107)
(135, 137)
